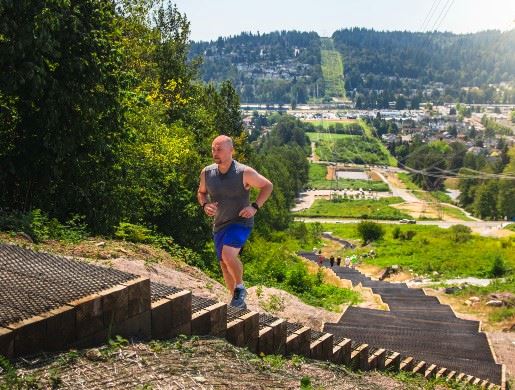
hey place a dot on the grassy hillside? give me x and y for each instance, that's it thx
(332, 69)
(361, 208)
(434, 249)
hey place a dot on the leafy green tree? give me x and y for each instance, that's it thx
(369, 231)
(61, 78)
(429, 161)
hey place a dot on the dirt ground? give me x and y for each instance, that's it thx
(424, 209)
(192, 364)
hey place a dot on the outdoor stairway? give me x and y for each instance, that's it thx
(50, 303)
(418, 326)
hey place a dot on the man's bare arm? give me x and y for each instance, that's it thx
(253, 179)
(203, 197)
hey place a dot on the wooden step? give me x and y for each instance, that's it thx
(377, 360)
(441, 372)
(407, 364)
(420, 367)
(431, 371)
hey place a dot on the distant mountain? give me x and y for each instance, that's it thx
(378, 67)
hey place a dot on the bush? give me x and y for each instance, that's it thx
(396, 232)
(407, 235)
(133, 233)
(499, 268)
(299, 280)
(460, 233)
(370, 231)
(40, 227)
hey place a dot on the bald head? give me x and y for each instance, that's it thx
(223, 139)
(222, 148)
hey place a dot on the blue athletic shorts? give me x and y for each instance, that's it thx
(232, 235)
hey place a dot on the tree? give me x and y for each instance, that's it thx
(429, 161)
(61, 77)
(369, 231)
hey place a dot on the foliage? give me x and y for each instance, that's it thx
(460, 233)
(270, 262)
(40, 227)
(355, 208)
(247, 60)
(499, 268)
(383, 65)
(332, 69)
(352, 149)
(432, 249)
(108, 119)
(369, 231)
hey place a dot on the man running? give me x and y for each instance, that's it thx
(223, 194)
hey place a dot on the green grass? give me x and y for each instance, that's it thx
(392, 161)
(511, 227)
(317, 137)
(406, 179)
(456, 213)
(361, 208)
(433, 249)
(317, 173)
(352, 148)
(271, 262)
(332, 69)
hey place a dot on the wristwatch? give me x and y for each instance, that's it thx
(255, 205)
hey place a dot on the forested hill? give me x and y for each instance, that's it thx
(379, 66)
(264, 67)
(398, 61)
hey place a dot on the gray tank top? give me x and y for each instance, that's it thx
(228, 190)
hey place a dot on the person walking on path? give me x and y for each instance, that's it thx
(338, 260)
(224, 193)
(320, 258)
(331, 260)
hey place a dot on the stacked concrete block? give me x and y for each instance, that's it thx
(208, 317)
(298, 340)
(321, 347)
(272, 335)
(342, 351)
(171, 315)
(242, 328)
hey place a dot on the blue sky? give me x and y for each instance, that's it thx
(213, 18)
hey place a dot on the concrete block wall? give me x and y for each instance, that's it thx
(128, 310)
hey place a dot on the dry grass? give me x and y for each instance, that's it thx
(197, 363)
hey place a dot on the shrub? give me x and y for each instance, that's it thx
(460, 233)
(499, 267)
(370, 231)
(133, 233)
(396, 232)
(298, 280)
(407, 235)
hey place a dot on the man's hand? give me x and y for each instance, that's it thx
(248, 212)
(211, 208)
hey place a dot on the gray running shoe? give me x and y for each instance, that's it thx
(238, 299)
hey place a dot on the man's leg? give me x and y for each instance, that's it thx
(229, 280)
(233, 265)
